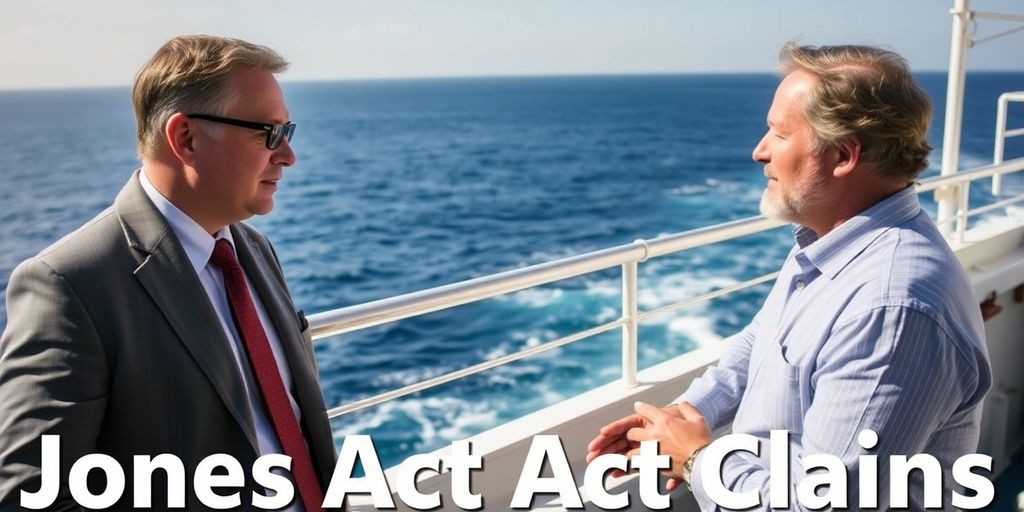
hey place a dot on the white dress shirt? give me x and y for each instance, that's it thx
(198, 246)
(872, 326)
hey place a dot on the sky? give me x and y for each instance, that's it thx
(74, 43)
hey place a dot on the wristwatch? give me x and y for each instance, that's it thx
(688, 466)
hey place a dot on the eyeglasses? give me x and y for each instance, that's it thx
(275, 132)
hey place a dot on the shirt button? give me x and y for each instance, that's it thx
(799, 285)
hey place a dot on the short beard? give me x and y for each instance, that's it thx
(793, 207)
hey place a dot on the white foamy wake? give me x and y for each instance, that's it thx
(534, 297)
(699, 329)
(438, 418)
(677, 287)
(1009, 216)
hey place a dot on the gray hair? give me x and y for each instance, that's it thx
(190, 74)
(869, 93)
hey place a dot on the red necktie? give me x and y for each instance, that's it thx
(261, 357)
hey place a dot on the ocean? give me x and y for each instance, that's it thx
(403, 185)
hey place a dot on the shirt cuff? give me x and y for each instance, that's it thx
(704, 399)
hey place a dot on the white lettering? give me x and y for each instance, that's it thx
(49, 460)
(407, 474)
(834, 477)
(868, 474)
(649, 463)
(899, 479)
(593, 481)
(205, 481)
(143, 467)
(80, 473)
(462, 463)
(820, 470)
(778, 467)
(985, 492)
(561, 482)
(711, 471)
(282, 490)
(373, 483)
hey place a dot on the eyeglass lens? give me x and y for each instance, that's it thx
(279, 132)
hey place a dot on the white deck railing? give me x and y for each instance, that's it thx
(628, 257)
(1002, 133)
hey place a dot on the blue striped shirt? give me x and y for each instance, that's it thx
(872, 326)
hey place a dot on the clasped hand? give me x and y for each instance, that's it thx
(680, 429)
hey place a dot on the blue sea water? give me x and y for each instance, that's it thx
(408, 184)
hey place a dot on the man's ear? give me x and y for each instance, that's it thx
(848, 156)
(179, 133)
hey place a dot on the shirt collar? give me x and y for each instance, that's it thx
(197, 243)
(831, 253)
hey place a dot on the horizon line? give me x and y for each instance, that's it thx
(285, 80)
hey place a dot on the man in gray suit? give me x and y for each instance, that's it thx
(163, 325)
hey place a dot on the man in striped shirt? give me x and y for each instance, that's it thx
(871, 325)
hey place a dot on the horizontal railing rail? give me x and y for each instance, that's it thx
(1002, 133)
(958, 186)
(627, 256)
(400, 307)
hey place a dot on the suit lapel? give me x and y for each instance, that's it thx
(301, 360)
(275, 302)
(169, 278)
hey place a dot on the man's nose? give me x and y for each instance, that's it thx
(760, 153)
(284, 156)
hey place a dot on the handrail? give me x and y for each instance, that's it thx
(1002, 134)
(370, 314)
(383, 311)
(957, 186)
(627, 256)
(985, 209)
(985, 171)
(477, 368)
(978, 15)
(714, 294)
(544, 347)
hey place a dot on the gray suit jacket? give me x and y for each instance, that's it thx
(112, 343)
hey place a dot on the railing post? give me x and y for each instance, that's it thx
(997, 151)
(630, 313)
(963, 206)
(946, 196)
